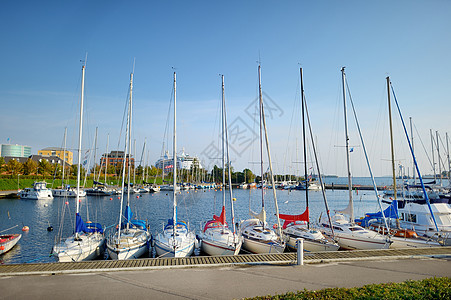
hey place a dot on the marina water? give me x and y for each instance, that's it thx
(194, 206)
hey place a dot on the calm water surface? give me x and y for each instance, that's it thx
(194, 207)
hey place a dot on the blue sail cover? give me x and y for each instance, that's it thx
(141, 224)
(389, 212)
(81, 226)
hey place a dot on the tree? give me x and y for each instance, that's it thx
(44, 167)
(2, 164)
(250, 177)
(30, 167)
(14, 167)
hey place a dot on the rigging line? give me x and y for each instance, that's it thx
(414, 160)
(366, 156)
(422, 144)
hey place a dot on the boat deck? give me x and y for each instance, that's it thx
(204, 261)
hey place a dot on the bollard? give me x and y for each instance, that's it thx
(300, 249)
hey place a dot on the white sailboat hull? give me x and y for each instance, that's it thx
(353, 242)
(216, 242)
(181, 246)
(261, 247)
(89, 246)
(399, 243)
(133, 243)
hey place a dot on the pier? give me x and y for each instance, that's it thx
(218, 261)
(220, 277)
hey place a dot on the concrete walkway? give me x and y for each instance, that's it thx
(220, 282)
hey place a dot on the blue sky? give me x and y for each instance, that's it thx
(43, 43)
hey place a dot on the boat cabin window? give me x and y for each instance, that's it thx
(409, 217)
(338, 228)
(355, 228)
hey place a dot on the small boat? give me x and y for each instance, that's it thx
(68, 192)
(39, 191)
(7, 241)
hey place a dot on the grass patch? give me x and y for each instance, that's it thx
(431, 288)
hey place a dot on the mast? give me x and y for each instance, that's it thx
(279, 229)
(305, 147)
(129, 146)
(261, 136)
(426, 197)
(391, 140)
(413, 149)
(124, 166)
(319, 170)
(106, 156)
(80, 128)
(438, 157)
(143, 156)
(228, 160)
(95, 154)
(223, 151)
(174, 167)
(433, 156)
(64, 157)
(350, 206)
(447, 154)
(134, 169)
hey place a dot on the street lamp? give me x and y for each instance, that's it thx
(18, 182)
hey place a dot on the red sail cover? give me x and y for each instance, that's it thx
(221, 218)
(293, 218)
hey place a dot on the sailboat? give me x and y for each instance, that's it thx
(258, 236)
(176, 240)
(380, 221)
(426, 216)
(66, 190)
(217, 237)
(88, 240)
(131, 240)
(348, 234)
(298, 226)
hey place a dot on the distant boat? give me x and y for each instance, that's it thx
(66, 190)
(39, 191)
(7, 241)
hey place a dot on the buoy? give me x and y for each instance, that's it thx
(2, 247)
(67, 202)
(45, 205)
(25, 228)
(234, 199)
(79, 200)
(137, 197)
(119, 197)
(50, 228)
(111, 198)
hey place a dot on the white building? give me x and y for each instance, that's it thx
(184, 162)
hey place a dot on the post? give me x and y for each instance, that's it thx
(300, 250)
